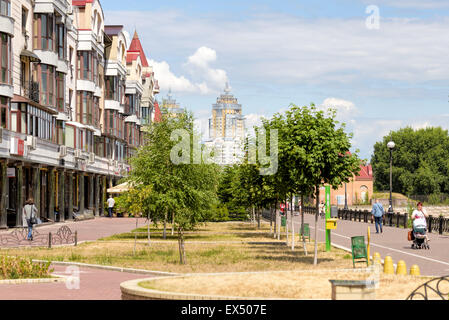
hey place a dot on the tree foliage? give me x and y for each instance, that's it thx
(420, 162)
(184, 191)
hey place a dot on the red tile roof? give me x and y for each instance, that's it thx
(157, 112)
(366, 173)
(136, 46)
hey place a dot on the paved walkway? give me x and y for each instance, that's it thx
(94, 284)
(393, 242)
(91, 230)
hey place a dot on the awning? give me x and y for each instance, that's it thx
(121, 188)
(33, 57)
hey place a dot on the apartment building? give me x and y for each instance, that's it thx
(70, 107)
(227, 129)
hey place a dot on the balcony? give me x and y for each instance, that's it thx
(30, 90)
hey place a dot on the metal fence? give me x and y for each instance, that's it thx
(18, 238)
(398, 220)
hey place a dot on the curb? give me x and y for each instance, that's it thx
(131, 290)
(55, 279)
(110, 268)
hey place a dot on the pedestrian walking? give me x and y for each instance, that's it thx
(111, 203)
(321, 207)
(378, 213)
(29, 214)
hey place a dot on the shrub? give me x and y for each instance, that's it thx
(23, 268)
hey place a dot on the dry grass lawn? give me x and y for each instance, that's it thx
(285, 285)
(224, 248)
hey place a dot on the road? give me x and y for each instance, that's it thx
(393, 242)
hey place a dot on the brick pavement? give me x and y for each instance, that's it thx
(91, 230)
(94, 284)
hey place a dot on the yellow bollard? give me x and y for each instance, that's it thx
(376, 258)
(401, 268)
(414, 270)
(388, 265)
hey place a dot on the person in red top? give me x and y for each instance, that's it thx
(282, 208)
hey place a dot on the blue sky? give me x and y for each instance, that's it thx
(274, 53)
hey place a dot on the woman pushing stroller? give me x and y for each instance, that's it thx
(420, 226)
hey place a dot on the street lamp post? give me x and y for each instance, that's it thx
(391, 145)
(346, 198)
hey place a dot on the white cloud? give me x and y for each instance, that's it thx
(412, 4)
(167, 79)
(282, 48)
(198, 65)
(346, 110)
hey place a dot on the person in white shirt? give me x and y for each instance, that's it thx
(111, 203)
(419, 220)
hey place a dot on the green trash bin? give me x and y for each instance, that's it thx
(359, 251)
(283, 221)
(306, 231)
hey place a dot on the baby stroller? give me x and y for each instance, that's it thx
(419, 238)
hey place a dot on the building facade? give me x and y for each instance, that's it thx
(359, 190)
(70, 107)
(226, 130)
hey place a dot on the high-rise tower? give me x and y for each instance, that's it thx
(227, 129)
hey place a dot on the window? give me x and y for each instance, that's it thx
(99, 146)
(60, 132)
(112, 88)
(61, 41)
(5, 61)
(84, 107)
(46, 74)
(60, 90)
(43, 32)
(113, 123)
(24, 19)
(96, 111)
(4, 107)
(89, 141)
(5, 8)
(40, 123)
(70, 136)
(85, 65)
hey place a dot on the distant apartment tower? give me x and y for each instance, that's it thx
(227, 129)
(170, 107)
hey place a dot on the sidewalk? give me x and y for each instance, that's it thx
(91, 230)
(94, 284)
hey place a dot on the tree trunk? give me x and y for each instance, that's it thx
(302, 225)
(317, 207)
(164, 235)
(286, 222)
(148, 229)
(279, 222)
(271, 220)
(292, 214)
(172, 223)
(182, 253)
(253, 218)
(275, 219)
(258, 218)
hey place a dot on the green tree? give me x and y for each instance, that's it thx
(185, 190)
(420, 162)
(317, 153)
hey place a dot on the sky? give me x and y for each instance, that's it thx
(383, 65)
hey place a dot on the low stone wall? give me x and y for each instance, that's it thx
(132, 291)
